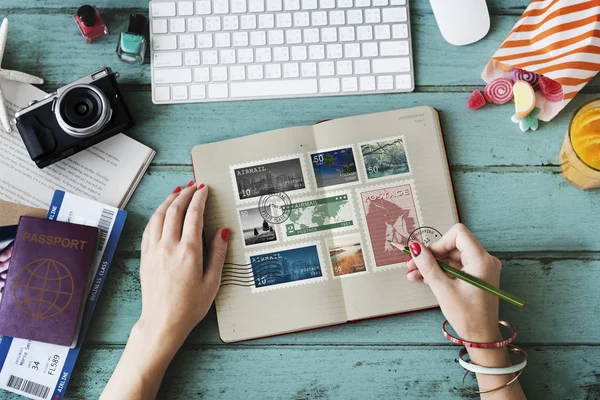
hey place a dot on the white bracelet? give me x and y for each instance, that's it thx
(478, 369)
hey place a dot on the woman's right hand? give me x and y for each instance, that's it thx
(472, 312)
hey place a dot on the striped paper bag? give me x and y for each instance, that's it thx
(559, 39)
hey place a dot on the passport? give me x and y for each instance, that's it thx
(47, 279)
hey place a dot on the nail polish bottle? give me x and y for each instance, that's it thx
(90, 23)
(132, 44)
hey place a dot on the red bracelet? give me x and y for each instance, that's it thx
(465, 343)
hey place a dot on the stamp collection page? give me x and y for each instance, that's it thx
(312, 211)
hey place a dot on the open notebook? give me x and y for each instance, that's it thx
(312, 211)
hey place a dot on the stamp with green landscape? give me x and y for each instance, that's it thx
(319, 214)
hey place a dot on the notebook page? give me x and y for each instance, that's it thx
(293, 292)
(393, 203)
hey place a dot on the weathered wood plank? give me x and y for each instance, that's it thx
(547, 284)
(507, 209)
(303, 373)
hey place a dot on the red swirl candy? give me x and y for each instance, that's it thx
(530, 77)
(498, 91)
(551, 89)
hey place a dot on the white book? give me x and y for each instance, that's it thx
(108, 172)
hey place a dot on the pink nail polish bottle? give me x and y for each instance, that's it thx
(90, 23)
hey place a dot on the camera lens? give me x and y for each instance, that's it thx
(83, 110)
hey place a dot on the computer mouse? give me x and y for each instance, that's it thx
(461, 22)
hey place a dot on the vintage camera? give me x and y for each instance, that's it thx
(77, 116)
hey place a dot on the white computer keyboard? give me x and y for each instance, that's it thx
(218, 50)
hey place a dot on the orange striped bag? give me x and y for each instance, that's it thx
(559, 39)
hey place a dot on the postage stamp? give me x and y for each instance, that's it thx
(262, 178)
(334, 167)
(391, 214)
(346, 255)
(287, 267)
(255, 228)
(385, 157)
(319, 214)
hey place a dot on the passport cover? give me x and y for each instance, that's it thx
(46, 280)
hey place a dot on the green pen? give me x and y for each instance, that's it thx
(456, 273)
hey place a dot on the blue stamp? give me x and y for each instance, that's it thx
(286, 266)
(334, 167)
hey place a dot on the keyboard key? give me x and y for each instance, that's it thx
(284, 20)
(195, 24)
(266, 21)
(350, 84)
(201, 74)
(385, 82)
(319, 18)
(394, 48)
(258, 38)
(164, 42)
(248, 22)
(292, 5)
(170, 59)
(299, 53)
(370, 50)
(389, 65)
(344, 67)
(221, 6)
(362, 3)
(230, 23)
(352, 50)
(166, 76)
(362, 67)
(367, 83)
(400, 31)
(222, 40)
(316, 52)
(177, 26)
(327, 4)
(255, 71)
(347, 34)
(281, 54)
(301, 19)
(245, 56)
(197, 92)
(273, 88)
(187, 42)
(238, 6)
(308, 69)
(397, 2)
(293, 36)
(256, 5)
(213, 24)
(311, 35)
(364, 33)
(329, 35)
(276, 37)
(373, 16)
(227, 56)
(162, 93)
(290, 70)
(344, 3)
(382, 32)
(218, 91)
(355, 17)
(273, 71)
(191, 57)
(237, 73)
(219, 74)
(274, 5)
(334, 51)
(326, 68)
(163, 10)
(204, 40)
(337, 17)
(403, 82)
(210, 57)
(180, 92)
(309, 4)
(379, 3)
(240, 39)
(396, 14)
(159, 26)
(263, 54)
(185, 8)
(329, 85)
(203, 7)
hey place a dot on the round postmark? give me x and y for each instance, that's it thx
(272, 207)
(425, 235)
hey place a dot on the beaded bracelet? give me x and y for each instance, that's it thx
(478, 369)
(465, 343)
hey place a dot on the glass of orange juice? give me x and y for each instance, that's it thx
(580, 153)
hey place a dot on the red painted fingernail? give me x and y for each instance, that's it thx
(200, 186)
(177, 189)
(411, 270)
(191, 183)
(415, 248)
(225, 234)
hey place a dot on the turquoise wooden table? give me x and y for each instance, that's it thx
(509, 191)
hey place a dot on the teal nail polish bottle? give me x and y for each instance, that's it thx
(132, 44)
